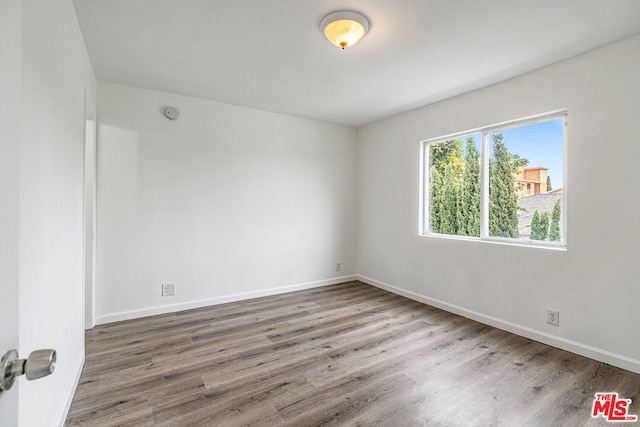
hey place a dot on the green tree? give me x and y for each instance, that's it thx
(539, 226)
(535, 226)
(445, 153)
(535, 221)
(449, 215)
(517, 162)
(549, 188)
(544, 225)
(469, 193)
(554, 228)
(503, 199)
(436, 200)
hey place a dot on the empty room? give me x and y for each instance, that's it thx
(304, 213)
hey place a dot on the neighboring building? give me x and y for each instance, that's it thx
(534, 197)
(534, 181)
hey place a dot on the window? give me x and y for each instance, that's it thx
(503, 182)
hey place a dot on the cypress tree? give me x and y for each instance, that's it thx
(469, 193)
(503, 199)
(447, 152)
(535, 226)
(544, 225)
(540, 229)
(549, 183)
(436, 204)
(449, 216)
(554, 228)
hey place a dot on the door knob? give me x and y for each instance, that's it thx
(40, 363)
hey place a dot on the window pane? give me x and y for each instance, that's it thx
(525, 182)
(454, 186)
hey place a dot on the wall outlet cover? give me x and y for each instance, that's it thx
(168, 289)
(553, 317)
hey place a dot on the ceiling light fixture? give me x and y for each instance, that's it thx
(344, 28)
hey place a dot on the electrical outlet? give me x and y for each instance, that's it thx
(168, 289)
(553, 317)
(338, 266)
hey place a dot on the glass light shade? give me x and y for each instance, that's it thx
(344, 33)
(344, 29)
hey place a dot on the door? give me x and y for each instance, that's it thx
(10, 82)
(9, 268)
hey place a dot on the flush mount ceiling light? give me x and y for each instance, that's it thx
(344, 28)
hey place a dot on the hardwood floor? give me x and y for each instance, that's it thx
(348, 354)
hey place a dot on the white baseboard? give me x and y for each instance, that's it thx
(172, 308)
(68, 398)
(595, 353)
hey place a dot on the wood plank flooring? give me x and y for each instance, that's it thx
(348, 354)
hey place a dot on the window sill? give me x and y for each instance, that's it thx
(500, 241)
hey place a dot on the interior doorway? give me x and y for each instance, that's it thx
(90, 169)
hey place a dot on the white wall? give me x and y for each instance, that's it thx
(225, 202)
(595, 283)
(56, 71)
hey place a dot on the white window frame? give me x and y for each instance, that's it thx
(425, 161)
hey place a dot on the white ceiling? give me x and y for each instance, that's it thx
(271, 54)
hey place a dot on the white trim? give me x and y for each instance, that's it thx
(525, 121)
(554, 246)
(565, 175)
(424, 203)
(348, 15)
(591, 352)
(172, 308)
(484, 185)
(68, 399)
